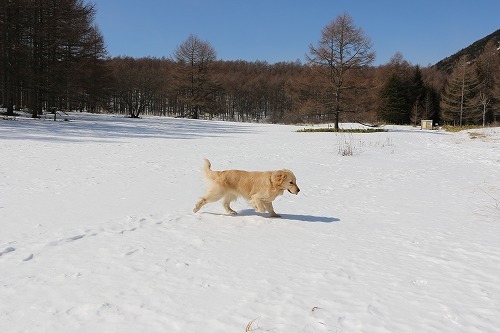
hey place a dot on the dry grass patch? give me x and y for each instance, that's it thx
(354, 130)
(477, 135)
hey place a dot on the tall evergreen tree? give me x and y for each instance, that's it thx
(416, 94)
(395, 102)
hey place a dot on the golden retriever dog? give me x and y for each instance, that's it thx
(259, 188)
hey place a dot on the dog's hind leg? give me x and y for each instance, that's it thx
(213, 194)
(199, 204)
(227, 200)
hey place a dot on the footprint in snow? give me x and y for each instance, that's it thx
(7, 250)
(374, 311)
(74, 238)
(66, 240)
(134, 251)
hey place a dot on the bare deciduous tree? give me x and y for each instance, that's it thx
(488, 65)
(484, 101)
(458, 97)
(342, 48)
(138, 82)
(194, 85)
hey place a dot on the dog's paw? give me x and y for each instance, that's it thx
(232, 212)
(275, 215)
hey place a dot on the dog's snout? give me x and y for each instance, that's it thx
(298, 190)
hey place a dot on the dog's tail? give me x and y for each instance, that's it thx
(207, 169)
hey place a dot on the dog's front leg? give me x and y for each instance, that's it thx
(270, 209)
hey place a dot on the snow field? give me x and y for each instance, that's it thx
(98, 232)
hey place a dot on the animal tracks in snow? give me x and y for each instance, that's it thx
(10, 249)
(67, 240)
(93, 238)
(7, 250)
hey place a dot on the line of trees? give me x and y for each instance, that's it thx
(472, 90)
(53, 58)
(51, 55)
(404, 97)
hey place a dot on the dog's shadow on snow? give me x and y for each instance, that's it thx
(293, 217)
(309, 218)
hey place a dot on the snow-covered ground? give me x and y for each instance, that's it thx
(97, 232)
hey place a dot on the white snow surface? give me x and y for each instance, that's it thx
(97, 232)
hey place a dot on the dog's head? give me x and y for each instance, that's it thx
(285, 180)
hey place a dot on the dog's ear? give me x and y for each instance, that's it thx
(277, 177)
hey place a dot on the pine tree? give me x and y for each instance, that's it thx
(417, 96)
(395, 101)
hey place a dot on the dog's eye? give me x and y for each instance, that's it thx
(291, 183)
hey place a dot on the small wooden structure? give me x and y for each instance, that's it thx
(426, 124)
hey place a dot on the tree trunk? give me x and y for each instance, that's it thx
(337, 108)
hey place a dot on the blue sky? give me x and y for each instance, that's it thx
(424, 31)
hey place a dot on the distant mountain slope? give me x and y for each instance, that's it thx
(473, 51)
